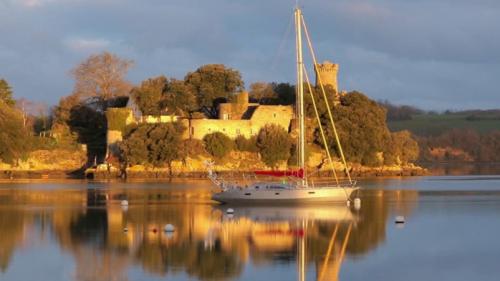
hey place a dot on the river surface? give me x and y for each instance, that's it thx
(80, 231)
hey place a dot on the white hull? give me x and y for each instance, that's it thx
(284, 196)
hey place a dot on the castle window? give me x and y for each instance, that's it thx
(192, 131)
(225, 116)
(274, 115)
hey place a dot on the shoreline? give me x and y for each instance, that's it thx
(148, 175)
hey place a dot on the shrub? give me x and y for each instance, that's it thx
(218, 144)
(191, 148)
(274, 145)
(244, 144)
(401, 148)
(156, 144)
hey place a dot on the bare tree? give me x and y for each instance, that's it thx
(102, 76)
(25, 106)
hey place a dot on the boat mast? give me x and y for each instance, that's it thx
(300, 91)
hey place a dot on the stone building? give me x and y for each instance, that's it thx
(240, 117)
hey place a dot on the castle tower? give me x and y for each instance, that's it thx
(234, 110)
(328, 73)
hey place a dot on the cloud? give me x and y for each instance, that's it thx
(31, 3)
(40, 3)
(431, 53)
(86, 44)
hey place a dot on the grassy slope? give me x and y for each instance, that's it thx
(425, 125)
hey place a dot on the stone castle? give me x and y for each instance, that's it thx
(241, 118)
(237, 118)
(327, 72)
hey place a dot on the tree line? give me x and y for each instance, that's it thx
(464, 135)
(160, 144)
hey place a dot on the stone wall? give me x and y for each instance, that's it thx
(151, 119)
(263, 115)
(272, 114)
(232, 128)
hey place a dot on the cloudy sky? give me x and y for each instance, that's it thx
(436, 54)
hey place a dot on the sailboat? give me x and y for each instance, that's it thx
(298, 188)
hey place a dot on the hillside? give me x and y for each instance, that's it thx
(464, 136)
(436, 124)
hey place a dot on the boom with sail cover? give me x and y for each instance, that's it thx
(291, 173)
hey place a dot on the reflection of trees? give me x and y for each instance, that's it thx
(373, 215)
(214, 263)
(370, 231)
(187, 248)
(12, 223)
(90, 227)
(206, 245)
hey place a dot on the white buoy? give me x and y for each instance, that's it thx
(399, 219)
(230, 211)
(169, 228)
(357, 203)
(124, 203)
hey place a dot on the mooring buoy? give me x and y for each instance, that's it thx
(230, 211)
(357, 203)
(399, 219)
(169, 228)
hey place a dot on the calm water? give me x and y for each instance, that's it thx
(76, 231)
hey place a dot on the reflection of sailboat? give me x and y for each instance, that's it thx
(277, 227)
(335, 213)
(298, 189)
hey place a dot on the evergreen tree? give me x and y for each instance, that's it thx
(148, 96)
(6, 93)
(214, 82)
(14, 139)
(361, 125)
(163, 142)
(274, 145)
(218, 144)
(158, 94)
(179, 98)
